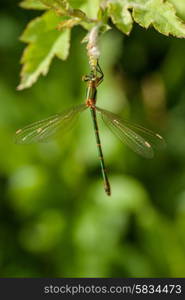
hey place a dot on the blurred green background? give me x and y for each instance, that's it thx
(55, 219)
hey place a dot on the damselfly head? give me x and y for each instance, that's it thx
(90, 77)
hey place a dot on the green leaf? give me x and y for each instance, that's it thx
(60, 6)
(158, 13)
(91, 8)
(103, 19)
(161, 14)
(32, 4)
(69, 23)
(45, 42)
(180, 7)
(65, 3)
(77, 3)
(120, 15)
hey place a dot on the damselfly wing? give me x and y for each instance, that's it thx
(139, 139)
(43, 130)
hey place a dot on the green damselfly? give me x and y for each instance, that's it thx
(130, 134)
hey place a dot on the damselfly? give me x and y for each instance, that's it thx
(130, 134)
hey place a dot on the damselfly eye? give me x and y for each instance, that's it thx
(85, 78)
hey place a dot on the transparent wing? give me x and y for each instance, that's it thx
(42, 130)
(129, 134)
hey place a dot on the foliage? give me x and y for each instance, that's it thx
(44, 43)
(157, 13)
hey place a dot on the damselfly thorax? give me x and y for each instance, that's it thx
(92, 83)
(91, 94)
